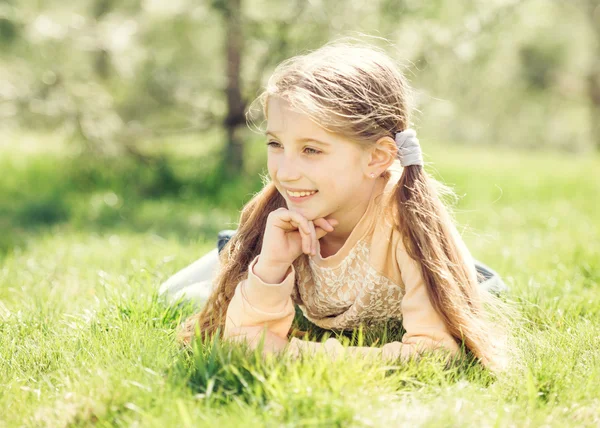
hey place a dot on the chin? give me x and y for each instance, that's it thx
(306, 212)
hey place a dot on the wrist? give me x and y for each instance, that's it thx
(270, 272)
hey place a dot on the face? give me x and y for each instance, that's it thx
(303, 156)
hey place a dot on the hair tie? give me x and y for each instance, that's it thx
(409, 149)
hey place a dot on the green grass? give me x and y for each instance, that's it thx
(85, 341)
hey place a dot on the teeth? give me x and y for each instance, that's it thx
(300, 194)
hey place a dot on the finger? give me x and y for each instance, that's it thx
(306, 238)
(290, 220)
(320, 232)
(299, 219)
(324, 224)
(296, 228)
(332, 222)
(313, 238)
(304, 228)
(305, 242)
(303, 236)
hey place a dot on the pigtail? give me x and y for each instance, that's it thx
(234, 259)
(426, 227)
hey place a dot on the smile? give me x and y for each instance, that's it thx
(300, 196)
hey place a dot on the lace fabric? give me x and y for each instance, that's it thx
(348, 294)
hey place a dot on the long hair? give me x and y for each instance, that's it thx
(358, 92)
(234, 259)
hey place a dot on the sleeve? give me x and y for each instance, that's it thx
(256, 306)
(425, 328)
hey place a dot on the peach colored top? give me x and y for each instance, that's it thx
(370, 279)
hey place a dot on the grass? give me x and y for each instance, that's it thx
(84, 340)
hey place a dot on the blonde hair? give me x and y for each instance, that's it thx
(358, 92)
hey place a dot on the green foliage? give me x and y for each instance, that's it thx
(166, 195)
(8, 31)
(541, 63)
(123, 74)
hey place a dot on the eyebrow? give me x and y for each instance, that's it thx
(301, 140)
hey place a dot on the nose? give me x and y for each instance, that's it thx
(287, 168)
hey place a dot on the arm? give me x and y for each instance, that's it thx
(259, 307)
(425, 328)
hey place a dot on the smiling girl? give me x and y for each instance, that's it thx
(350, 227)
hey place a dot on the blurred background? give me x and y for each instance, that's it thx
(129, 115)
(124, 150)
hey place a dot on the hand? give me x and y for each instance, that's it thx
(253, 335)
(289, 234)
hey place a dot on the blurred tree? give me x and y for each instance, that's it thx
(593, 77)
(102, 61)
(540, 63)
(237, 28)
(118, 75)
(236, 105)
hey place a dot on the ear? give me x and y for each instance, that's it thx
(380, 156)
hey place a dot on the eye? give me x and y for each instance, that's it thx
(312, 151)
(307, 150)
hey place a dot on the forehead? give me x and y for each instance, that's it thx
(283, 119)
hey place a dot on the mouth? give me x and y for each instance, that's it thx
(301, 196)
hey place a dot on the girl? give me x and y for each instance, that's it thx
(349, 226)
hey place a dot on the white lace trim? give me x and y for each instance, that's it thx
(343, 296)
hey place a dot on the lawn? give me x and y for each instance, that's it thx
(84, 340)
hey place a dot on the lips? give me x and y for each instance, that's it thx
(304, 196)
(300, 194)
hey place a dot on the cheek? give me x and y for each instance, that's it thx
(344, 177)
(271, 168)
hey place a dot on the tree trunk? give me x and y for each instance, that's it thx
(594, 94)
(101, 55)
(594, 75)
(236, 105)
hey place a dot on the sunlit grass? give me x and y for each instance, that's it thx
(84, 340)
